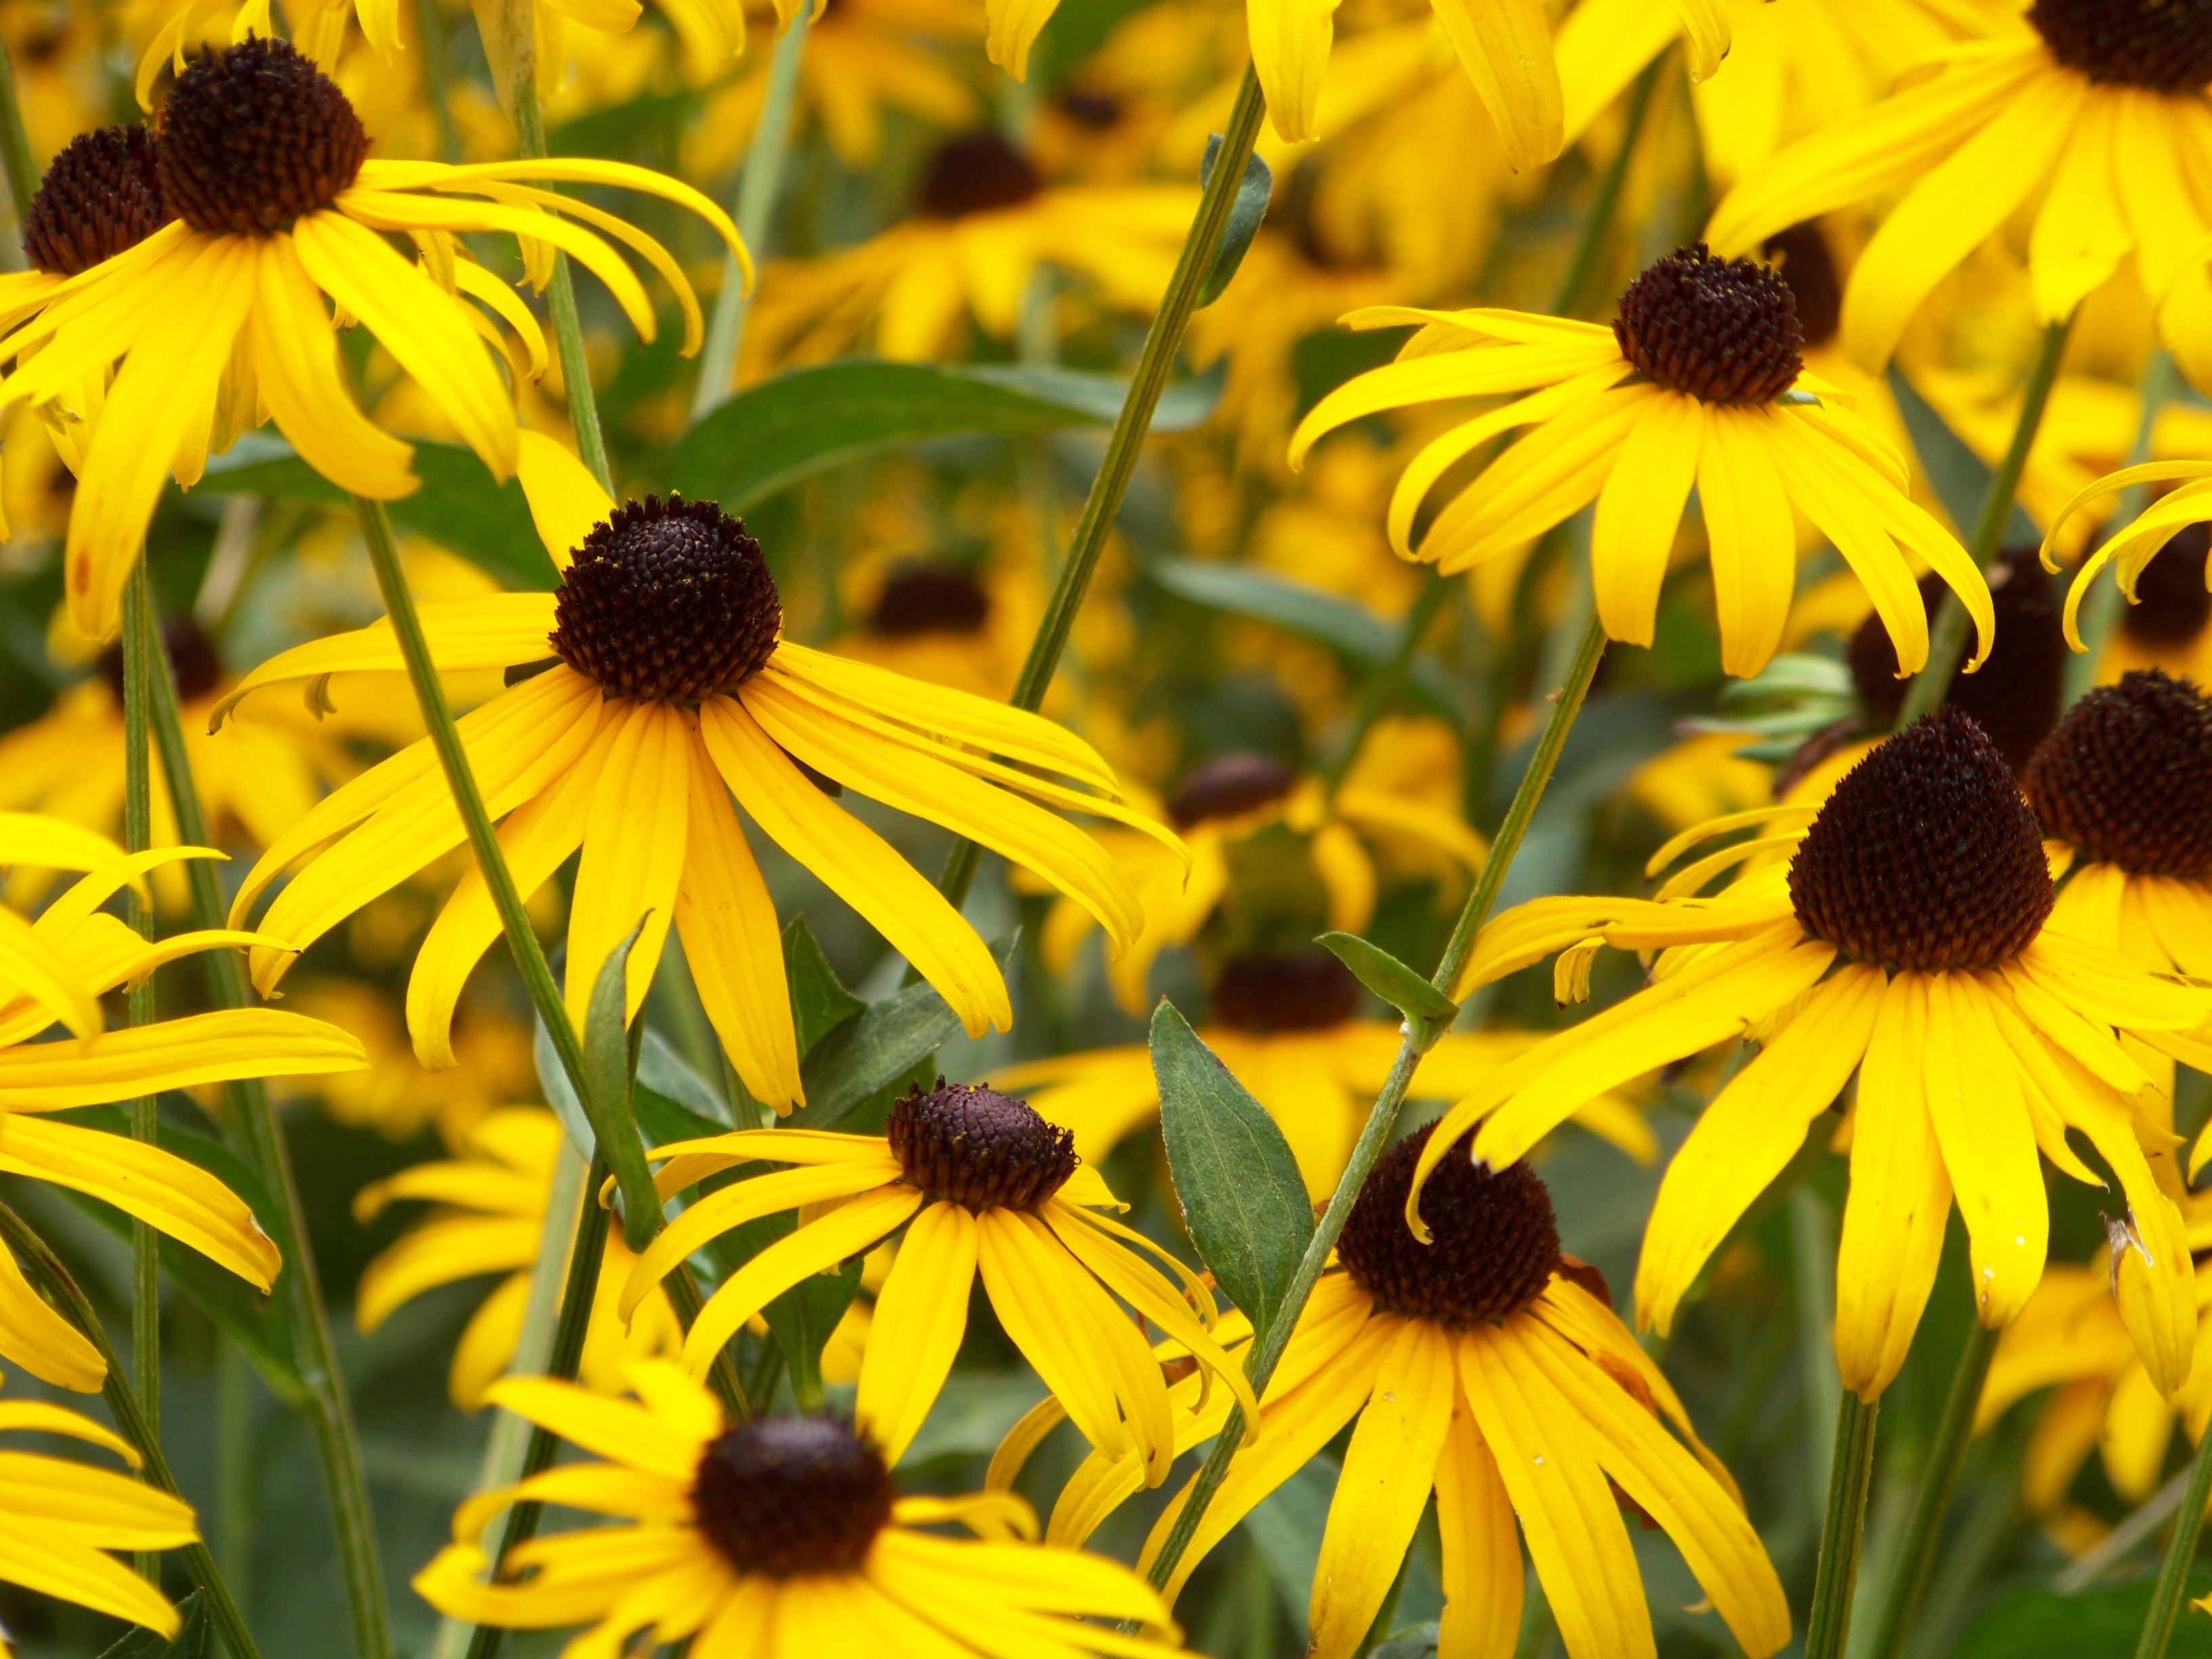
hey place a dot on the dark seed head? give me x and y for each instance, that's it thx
(1926, 856)
(1301, 990)
(1720, 331)
(253, 137)
(667, 601)
(977, 172)
(978, 1148)
(2017, 695)
(783, 1496)
(99, 197)
(1229, 786)
(1809, 268)
(1090, 108)
(2165, 45)
(935, 598)
(191, 656)
(2171, 604)
(2127, 777)
(1495, 1245)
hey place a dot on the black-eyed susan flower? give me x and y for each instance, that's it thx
(652, 685)
(2169, 624)
(54, 969)
(985, 220)
(782, 1537)
(1699, 381)
(1903, 938)
(491, 1219)
(263, 201)
(58, 1519)
(982, 1185)
(2097, 109)
(2132, 549)
(1288, 1024)
(1481, 1367)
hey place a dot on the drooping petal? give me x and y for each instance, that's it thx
(921, 1313)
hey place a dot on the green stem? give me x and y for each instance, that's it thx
(1843, 1528)
(1597, 223)
(1267, 1350)
(236, 1448)
(42, 1265)
(1947, 1456)
(253, 1119)
(139, 647)
(1162, 342)
(758, 189)
(437, 77)
(22, 172)
(1383, 686)
(2180, 1553)
(561, 298)
(2102, 607)
(1946, 640)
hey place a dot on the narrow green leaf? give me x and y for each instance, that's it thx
(190, 1641)
(2031, 1622)
(667, 1073)
(1242, 1194)
(1391, 979)
(877, 1048)
(608, 1063)
(770, 436)
(1250, 206)
(819, 1001)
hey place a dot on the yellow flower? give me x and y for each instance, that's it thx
(985, 222)
(643, 702)
(988, 1187)
(493, 1220)
(217, 313)
(55, 969)
(1286, 1023)
(782, 1537)
(1698, 380)
(2131, 549)
(57, 1519)
(1482, 1368)
(2168, 625)
(2101, 115)
(1979, 1035)
(949, 623)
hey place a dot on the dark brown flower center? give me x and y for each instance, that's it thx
(2016, 696)
(2127, 777)
(1807, 266)
(1227, 786)
(1926, 856)
(191, 657)
(1494, 1243)
(99, 197)
(668, 601)
(977, 172)
(253, 137)
(1720, 331)
(979, 1148)
(2172, 604)
(1302, 990)
(2165, 45)
(1090, 107)
(787, 1496)
(930, 598)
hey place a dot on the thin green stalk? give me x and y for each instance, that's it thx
(41, 1265)
(1946, 640)
(1597, 223)
(2102, 606)
(757, 189)
(1843, 1528)
(1813, 1263)
(1383, 686)
(139, 647)
(22, 171)
(1267, 1350)
(1939, 1479)
(236, 1456)
(1162, 342)
(2172, 1582)
(253, 1119)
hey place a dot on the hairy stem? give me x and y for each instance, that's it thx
(139, 647)
(1843, 1528)
(2181, 1551)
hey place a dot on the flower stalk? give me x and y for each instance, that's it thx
(21, 171)
(1843, 1528)
(44, 1267)
(2165, 1596)
(140, 636)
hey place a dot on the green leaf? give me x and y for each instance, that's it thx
(802, 1319)
(878, 1048)
(608, 1064)
(2041, 1624)
(770, 436)
(1391, 979)
(1250, 206)
(460, 506)
(1959, 476)
(190, 1641)
(668, 1074)
(1356, 631)
(1242, 1194)
(819, 1001)
(1286, 1530)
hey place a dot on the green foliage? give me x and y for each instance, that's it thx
(1391, 979)
(610, 1058)
(1245, 214)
